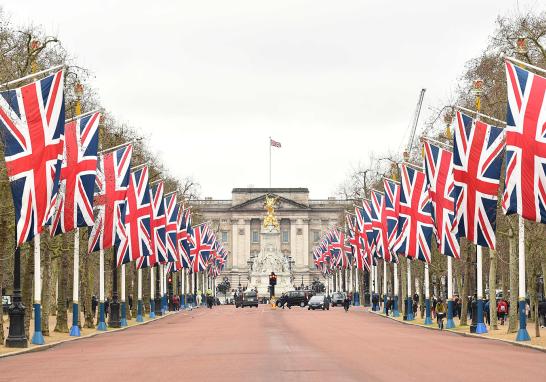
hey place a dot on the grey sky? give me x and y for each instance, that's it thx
(210, 81)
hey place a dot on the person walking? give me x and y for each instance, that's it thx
(441, 310)
(502, 310)
(94, 303)
(346, 303)
(487, 313)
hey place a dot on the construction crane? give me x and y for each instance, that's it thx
(414, 124)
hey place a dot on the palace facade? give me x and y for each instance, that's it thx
(238, 223)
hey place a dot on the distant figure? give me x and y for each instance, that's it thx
(346, 303)
(199, 299)
(94, 303)
(130, 301)
(106, 306)
(502, 310)
(441, 310)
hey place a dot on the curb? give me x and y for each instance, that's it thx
(472, 335)
(70, 339)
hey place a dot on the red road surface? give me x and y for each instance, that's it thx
(228, 344)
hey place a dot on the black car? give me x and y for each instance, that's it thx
(295, 298)
(338, 298)
(246, 299)
(319, 302)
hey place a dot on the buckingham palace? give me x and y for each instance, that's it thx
(239, 220)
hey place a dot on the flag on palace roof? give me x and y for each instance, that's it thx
(415, 225)
(111, 184)
(74, 204)
(441, 187)
(136, 245)
(32, 127)
(274, 143)
(477, 163)
(525, 181)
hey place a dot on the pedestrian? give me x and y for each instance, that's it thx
(502, 310)
(542, 312)
(130, 302)
(433, 307)
(346, 303)
(487, 313)
(441, 310)
(388, 306)
(94, 303)
(106, 307)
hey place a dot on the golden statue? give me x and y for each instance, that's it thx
(270, 219)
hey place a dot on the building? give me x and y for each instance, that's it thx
(302, 222)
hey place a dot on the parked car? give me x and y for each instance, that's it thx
(319, 302)
(295, 298)
(249, 298)
(338, 298)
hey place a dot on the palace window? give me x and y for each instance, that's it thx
(285, 236)
(255, 236)
(224, 236)
(316, 236)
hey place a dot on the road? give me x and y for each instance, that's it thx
(228, 344)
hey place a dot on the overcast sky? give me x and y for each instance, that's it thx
(210, 81)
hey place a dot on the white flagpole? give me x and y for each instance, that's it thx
(409, 313)
(395, 311)
(102, 323)
(522, 335)
(385, 287)
(140, 316)
(450, 323)
(75, 329)
(269, 162)
(37, 338)
(428, 318)
(152, 293)
(123, 321)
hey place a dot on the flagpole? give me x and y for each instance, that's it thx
(269, 162)
(102, 322)
(409, 302)
(428, 318)
(37, 338)
(395, 311)
(450, 324)
(139, 297)
(75, 329)
(123, 321)
(152, 292)
(385, 286)
(522, 335)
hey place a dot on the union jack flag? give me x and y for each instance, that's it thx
(380, 226)
(74, 204)
(136, 245)
(200, 248)
(184, 236)
(111, 185)
(439, 175)
(32, 128)
(365, 229)
(415, 223)
(171, 210)
(525, 181)
(477, 165)
(174, 266)
(392, 208)
(354, 240)
(158, 223)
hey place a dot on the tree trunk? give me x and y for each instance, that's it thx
(493, 288)
(466, 287)
(46, 287)
(28, 276)
(513, 266)
(62, 317)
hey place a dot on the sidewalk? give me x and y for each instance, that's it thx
(500, 334)
(56, 338)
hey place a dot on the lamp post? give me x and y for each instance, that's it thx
(16, 335)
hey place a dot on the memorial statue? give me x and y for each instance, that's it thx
(270, 219)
